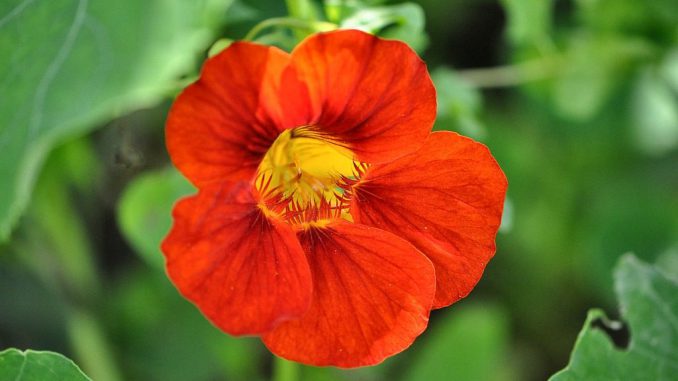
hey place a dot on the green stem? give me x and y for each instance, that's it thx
(91, 346)
(57, 217)
(292, 23)
(71, 263)
(301, 10)
(284, 370)
(512, 75)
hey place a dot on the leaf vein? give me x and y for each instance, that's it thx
(55, 66)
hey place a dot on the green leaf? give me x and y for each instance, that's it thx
(653, 20)
(594, 68)
(338, 10)
(668, 261)
(529, 21)
(649, 303)
(143, 307)
(655, 112)
(403, 22)
(469, 344)
(219, 46)
(69, 65)
(458, 104)
(669, 68)
(622, 216)
(145, 210)
(30, 365)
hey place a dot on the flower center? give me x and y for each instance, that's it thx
(305, 178)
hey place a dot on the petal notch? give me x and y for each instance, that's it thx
(447, 200)
(372, 296)
(374, 96)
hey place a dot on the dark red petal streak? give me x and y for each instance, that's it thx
(246, 273)
(375, 96)
(372, 293)
(221, 126)
(446, 199)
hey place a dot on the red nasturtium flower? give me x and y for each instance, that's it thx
(329, 219)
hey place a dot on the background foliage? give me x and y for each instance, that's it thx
(577, 99)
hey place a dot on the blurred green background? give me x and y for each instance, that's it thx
(578, 101)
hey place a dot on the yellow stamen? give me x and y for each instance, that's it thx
(303, 175)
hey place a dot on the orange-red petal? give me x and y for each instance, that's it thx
(447, 200)
(374, 96)
(372, 294)
(245, 272)
(221, 126)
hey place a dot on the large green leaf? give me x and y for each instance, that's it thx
(68, 65)
(38, 366)
(649, 304)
